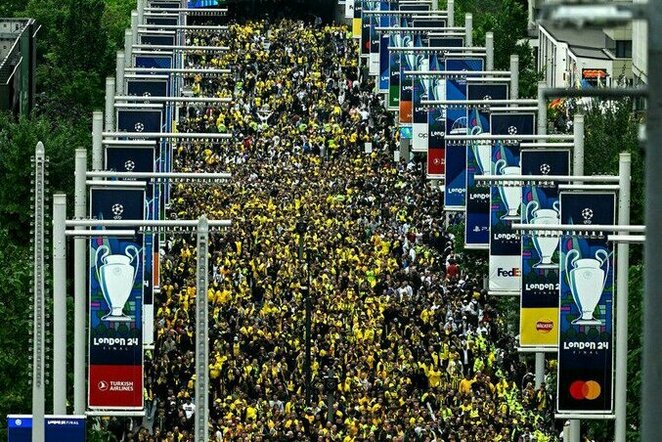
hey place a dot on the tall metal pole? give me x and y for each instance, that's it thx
(489, 47)
(134, 27)
(542, 108)
(301, 228)
(451, 12)
(109, 111)
(578, 148)
(120, 62)
(97, 140)
(202, 335)
(80, 289)
(128, 47)
(574, 425)
(652, 363)
(141, 12)
(59, 305)
(622, 294)
(514, 77)
(468, 30)
(39, 295)
(542, 130)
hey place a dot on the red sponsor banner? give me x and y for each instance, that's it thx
(436, 161)
(111, 385)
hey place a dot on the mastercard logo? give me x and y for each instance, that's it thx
(589, 390)
(544, 326)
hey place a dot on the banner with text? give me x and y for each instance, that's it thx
(505, 200)
(585, 365)
(539, 303)
(456, 124)
(115, 352)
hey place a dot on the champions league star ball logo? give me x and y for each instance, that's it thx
(139, 127)
(487, 97)
(129, 165)
(512, 130)
(117, 210)
(587, 214)
(147, 94)
(545, 169)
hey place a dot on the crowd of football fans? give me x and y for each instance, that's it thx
(405, 344)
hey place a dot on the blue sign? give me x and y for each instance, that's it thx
(456, 124)
(585, 365)
(154, 61)
(148, 88)
(56, 428)
(158, 40)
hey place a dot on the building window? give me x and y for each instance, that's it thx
(623, 49)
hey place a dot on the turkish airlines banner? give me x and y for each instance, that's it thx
(505, 200)
(115, 350)
(539, 303)
(586, 318)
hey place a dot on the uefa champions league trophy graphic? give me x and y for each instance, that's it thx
(408, 42)
(510, 195)
(482, 152)
(545, 245)
(116, 277)
(587, 281)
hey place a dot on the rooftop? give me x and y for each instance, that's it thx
(10, 30)
(585, 43)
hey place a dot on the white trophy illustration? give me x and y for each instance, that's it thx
(587, 280)
(545, 245)
(510, 195)
(482, 152)
(410, 56)
(116, 277)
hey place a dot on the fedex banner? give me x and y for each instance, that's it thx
(585, 365)
(115, 352)
(539, 303)
(505, 244)
(456, 124)
(479, 154)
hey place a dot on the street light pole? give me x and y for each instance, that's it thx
(59, 305)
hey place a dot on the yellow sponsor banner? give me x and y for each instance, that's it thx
(356, 28)
(539, 327)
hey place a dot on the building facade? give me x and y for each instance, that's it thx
(17, 65)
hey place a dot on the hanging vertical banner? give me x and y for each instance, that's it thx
(147, 88)
(479, 154)
(115, 353)
(384, 53)
(409, 61)
(436, 115)
(356, 21)
(142, 159)
(421, 88)
(585, 366)
(375, 39)
(155, 61)
(539, 303)
(456, 124)
(366, 20)
(505, 200)
(157, 39)
(349, 9)
(139, 120)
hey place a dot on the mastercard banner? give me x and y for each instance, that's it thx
(539, 303)
(585, 365)
(356, 21)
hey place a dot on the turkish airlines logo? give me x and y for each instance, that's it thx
(103, 386)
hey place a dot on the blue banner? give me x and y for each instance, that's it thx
(585, 376)
(154, 61)
(116, 275)
(148, 88)
(384, 53)
(56, 428)
(539, 303)
(139, 120)
(456, 124)
(477, 199)
(505, 200)
(156, 39)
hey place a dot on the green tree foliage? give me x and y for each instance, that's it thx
(507, 19)
(15, 372)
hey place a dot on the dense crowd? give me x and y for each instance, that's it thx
(405, 344)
